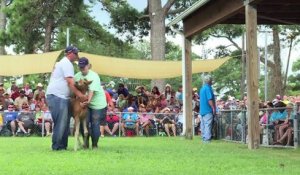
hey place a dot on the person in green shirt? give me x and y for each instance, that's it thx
(96, 100)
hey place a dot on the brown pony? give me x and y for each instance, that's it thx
(80, 113)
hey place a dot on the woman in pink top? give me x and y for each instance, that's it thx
(144, 119)
(163, 101)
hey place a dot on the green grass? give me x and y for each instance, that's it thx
(153, 156)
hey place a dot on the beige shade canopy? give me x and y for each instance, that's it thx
(104, 65)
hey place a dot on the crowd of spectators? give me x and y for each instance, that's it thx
(145, 112)
(24, 110)
(275, 118)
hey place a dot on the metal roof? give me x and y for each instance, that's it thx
(188, 11)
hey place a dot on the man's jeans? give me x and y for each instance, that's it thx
(206, 126)
(60, 112)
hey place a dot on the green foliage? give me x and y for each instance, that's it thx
(227, 79)
(229, 32)
(28, 19)
(294, 79)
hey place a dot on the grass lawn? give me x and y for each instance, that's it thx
(153, 156)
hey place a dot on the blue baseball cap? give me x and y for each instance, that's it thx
(82, 62)
(71, 49)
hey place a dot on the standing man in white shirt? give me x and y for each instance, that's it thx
(58, 97)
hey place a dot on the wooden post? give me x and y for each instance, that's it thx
(252, 77)
(188, 89)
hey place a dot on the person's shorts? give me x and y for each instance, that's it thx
(169, 125)
(8, 124)
(130, 126)
(111, 124)
(28, 124)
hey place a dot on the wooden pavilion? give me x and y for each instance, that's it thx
(207, 13)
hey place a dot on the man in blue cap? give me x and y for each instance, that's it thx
(207, 109)
(58, 97)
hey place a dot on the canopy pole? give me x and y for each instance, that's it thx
(184, 87)
(266, 66)
(252, 77)
(68, 36)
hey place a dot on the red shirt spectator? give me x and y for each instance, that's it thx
(109, 101)
(112, 118)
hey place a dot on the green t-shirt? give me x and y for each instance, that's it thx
(98, 100)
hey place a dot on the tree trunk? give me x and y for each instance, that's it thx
(287, 66)
(48, 34)
(276, 82)
(157, 20)
(2, 29)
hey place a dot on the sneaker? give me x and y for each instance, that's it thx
(27, 134)
(102, 136)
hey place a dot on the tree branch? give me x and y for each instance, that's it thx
(144, 16)
(167, 6)
(229, 38)
(269, 63)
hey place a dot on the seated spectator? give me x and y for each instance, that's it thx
(2, 103)
(155, 92)
(132, 103)
(10, 117)
(163, 101)
(286, 128)
(32, 104)
(40, 99)
(112, 122)
(123, 90)
(145, 119)
(1, 122)
(278, 117)
(43, 116)
(39, 89)
(179, 119)
(154, 104)
(27, 89)
(168, 122)
(121, 102)
(168, 92)
(2, 90)
(25, 120)
(7, 101)
(21, 100)
(179, 96)
(288, 136)
(173, 102)
(142, 98)
(130, 121)
(46, 115)
(15, 92)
